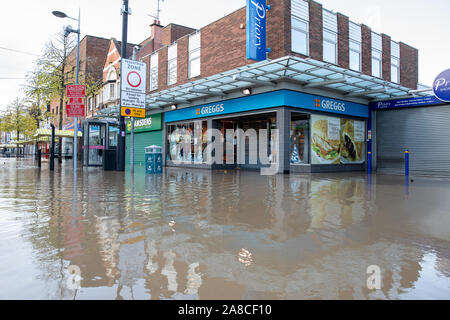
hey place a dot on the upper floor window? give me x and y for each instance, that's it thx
(377, 60)
(300, 26)
(329, 46)
(330, 37)
(154, 71)
(300, 36)
(112, 90)
(355, 53)
(172, 64)
(194, 55)
(395, 62)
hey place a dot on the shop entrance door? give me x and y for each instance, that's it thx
(96, 144)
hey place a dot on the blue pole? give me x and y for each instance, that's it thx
(407, 163)
(369, 162)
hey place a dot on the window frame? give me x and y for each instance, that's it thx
(305, 32)
(332, 42)
(359, 52)
(380, 60)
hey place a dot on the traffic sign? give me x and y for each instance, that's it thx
(75, 110)
(76, 91)
(132, 112)
(133, 86)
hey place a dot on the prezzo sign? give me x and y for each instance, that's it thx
(256, 30)
(270, 100)
(441, 86)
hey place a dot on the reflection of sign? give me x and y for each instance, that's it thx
(76, 91)
(133, 85)
(256, 30)
(151, 123)
(441, 86)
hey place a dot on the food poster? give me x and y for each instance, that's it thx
(325, 140)
(337, 141)
(352, 141)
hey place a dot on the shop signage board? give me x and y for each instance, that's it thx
(441, 86)
(272, 99)
(256, 30)
(150, 123)
(405, 103)
(133, 85)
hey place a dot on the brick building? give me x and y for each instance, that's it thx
(314, 87)
(93, 51)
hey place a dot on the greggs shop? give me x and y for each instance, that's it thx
(315, 133)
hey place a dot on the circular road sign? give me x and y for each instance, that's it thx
(134, 79)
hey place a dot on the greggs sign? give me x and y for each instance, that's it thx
(256, 30)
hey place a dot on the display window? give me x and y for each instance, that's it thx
(337, 140)
(187, 141)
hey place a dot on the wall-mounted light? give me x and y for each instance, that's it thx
(174, 107)
(247, 91)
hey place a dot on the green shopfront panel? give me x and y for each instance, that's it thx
(142, 140)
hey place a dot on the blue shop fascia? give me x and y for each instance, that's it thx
(316, 133)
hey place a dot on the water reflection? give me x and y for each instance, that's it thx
(193, 234)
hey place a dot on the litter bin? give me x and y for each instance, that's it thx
(153, 160)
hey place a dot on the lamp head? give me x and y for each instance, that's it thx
(59, 14)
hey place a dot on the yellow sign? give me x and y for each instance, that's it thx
(132, 112)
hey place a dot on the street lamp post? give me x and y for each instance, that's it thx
(68, 31)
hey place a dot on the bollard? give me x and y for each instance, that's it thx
(39, 155)
(369, 162)
(407, 163)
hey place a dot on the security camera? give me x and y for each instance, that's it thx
(68, 31)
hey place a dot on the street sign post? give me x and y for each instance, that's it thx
(75, 109)
(133, 85)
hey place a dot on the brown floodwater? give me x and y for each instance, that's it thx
(194, 234)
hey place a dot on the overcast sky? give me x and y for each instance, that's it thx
(27, 24)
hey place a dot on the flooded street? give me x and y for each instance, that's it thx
(193, 234)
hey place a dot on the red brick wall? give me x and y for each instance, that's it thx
(279, 28)
(162, 69)
(182, 63)
(315, 30)
(173, 32)
(409, 62)
(343, 41)
(386, 57)
(366, 48)
(223, 44)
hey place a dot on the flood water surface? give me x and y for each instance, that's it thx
(193, 234)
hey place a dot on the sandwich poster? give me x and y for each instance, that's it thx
(337, 141)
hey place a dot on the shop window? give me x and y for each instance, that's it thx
(355, 55)
(194, 55)
(376, 63)
(329, 46)
(154, 72)
(300, 36)
(299, 139)
(172, 65)
(187, 141)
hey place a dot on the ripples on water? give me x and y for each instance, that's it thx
(220, 235)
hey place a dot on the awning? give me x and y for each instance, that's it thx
(308, 73)
(58, 133)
